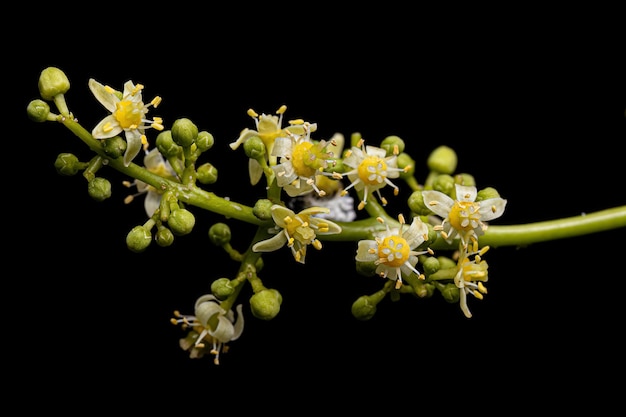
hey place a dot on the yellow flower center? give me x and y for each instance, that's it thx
(373, 170)
(464, 215)
(393, 251)
(128, 114)
(299, 229)
(307, 158)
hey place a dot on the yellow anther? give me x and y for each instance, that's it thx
(317, 244)
(384, 201)
(482, 288)
(305, 224)
(281, 109)
(343, 193)
(288, 219)
(296, 122)
(337, 176)
(173, 321)
(133, 126)
(398, 283)
(156, 101)
(252, 113)
(361, 205)
(348, 153)
(444, 234)
(493, 209)
(407, 168)
(396, 150)
(432, 203)
(380, 220)
(396, 191)
(290, 241)
(128, 199)
(401, 218)
(107, 127)
(422, 276)
(109, 89)
(371, 250)
(477, 295)
(360, 143)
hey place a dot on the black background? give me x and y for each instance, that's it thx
(533, 109)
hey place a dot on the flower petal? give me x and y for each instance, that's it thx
(271, 244)
(114, 127)
(438, 202)
(108, 100)
(133, 146)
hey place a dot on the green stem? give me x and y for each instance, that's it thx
(188, 194)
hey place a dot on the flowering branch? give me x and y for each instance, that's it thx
(315, 191)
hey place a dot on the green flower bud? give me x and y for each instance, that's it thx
(254, 148)
(204, 141)
(445, 184)
(219, 234)
(222, 288)
(38, 111)
(431, 265)
(184, 132)
(67, 164)
(114, 147)
(265, 304)
(417, 205)
(164, 237)
(446, 263)
(363, 308)
(450, 293)
(465, 179)
(181, 221)
(442, 160)
(138, 239)
(263, 209)
(52, 81)
(389, 144)
(487, 193)
(404, 161)
(424, 289)
(99, 188)
(166, 144)
(206, 173)
(355, 138)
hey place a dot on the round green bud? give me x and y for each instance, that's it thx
(184, 132)
(363, 308)
(114, 147)
(366, 268)
(407, 163)
(67, 164)
(52, 82)
(442, 160)
(181, 221)
(222, 288)
(38, 111)
(445, 184)
(263, 209)
(254, 148)
(431, 265)
(138, 239)
(99, 188)
(204, 141)
(417, 205)
(164, 237)
(219, 234)
(487, 193)
(450, 293)
(446, 263)
(465, 179)
(166, 144)
(265, 304)
(390, 142)
(206, 173)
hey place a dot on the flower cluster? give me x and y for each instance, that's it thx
(307, 199)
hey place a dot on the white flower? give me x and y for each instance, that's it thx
(371, 170)
(297, 231)
(393, 250)
(128, 114)
(210, 324)
(268, 128)
(469, 279)
(301, 162)
(155, 163)
(464, 216)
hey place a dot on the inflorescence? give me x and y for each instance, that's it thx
(310, 190)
